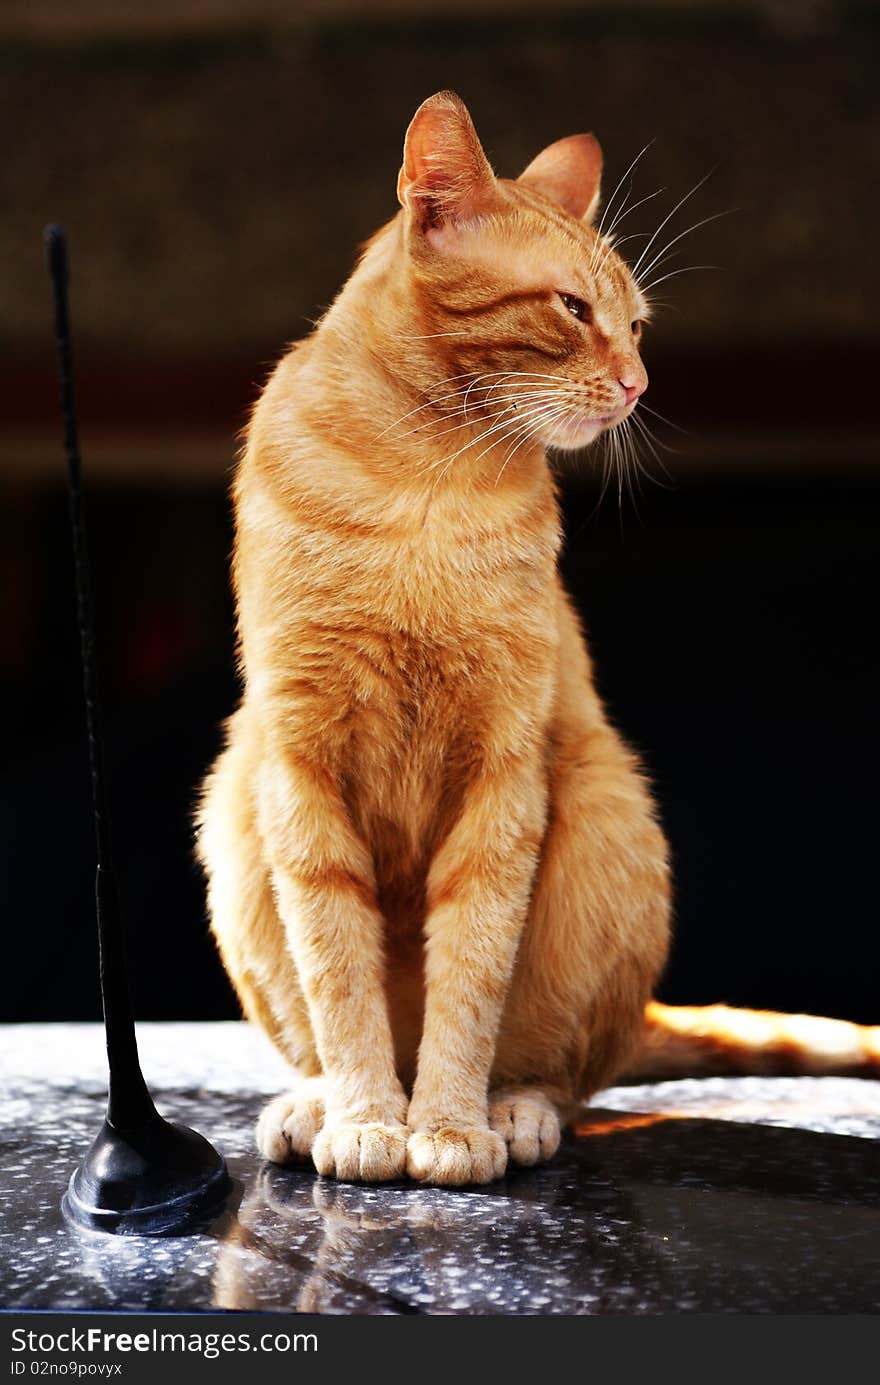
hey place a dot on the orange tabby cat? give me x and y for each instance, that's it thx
(435, 875)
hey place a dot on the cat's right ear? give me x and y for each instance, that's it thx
(446, 178)
(569, 172)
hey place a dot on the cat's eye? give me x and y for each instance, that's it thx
(636, 328)
(576, 306)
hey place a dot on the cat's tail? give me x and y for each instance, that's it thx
(696, 1041)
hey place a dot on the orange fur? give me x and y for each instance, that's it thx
(435, 874)
(697, 1039)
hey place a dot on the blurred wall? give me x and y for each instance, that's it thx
(217, 167)
(218, 187)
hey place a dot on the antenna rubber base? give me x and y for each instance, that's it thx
(160, 1180)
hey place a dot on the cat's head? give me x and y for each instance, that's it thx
(521, 302)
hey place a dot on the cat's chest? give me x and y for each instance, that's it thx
(426, 708)
(415, 693)
(459, 576)
(429, 646)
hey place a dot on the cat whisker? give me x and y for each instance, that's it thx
(531, 431)
(507, 403)
(608, 236)
(688, 269)
(516, 423)
(633, 424)
(491, 374)
(612, 242)
(529, 428)
(632, 444)
(499, 384)
(419, 408)
(661, 254)
(632, 235)
(528, 397)
(439, 399)
(607, 468)
(488, 432)
(667, 304)
(668, 217)
(621, 211)
(610, 202)
(642, 406)
(652, 442)
(502, 383)
(528, 434)
(647, 439)
(531, 421)
(601, 262)
(608, 245)
(506, 379)
(499, 378)
(631, 475)
(632, 470)
(516, 434)
(607, 441)
(629, 211)
(620, 460)
(615, 455)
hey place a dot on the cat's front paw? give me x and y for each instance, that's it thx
(454, 1157)
(287, 1127)
(368, 1152)
(528, 1123)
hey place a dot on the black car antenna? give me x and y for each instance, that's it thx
(143, 1175)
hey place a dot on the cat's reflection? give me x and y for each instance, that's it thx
(533, 1244)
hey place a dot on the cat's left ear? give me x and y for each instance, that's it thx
(446, 177)
(569, 172)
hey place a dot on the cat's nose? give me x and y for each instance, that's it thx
(633, 384)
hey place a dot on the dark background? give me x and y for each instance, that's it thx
(216, 166)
